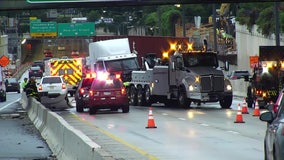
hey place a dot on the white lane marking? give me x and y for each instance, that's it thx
(234, 132)
(204, 124)
(183, 119)
(165, 114)
(7, 105)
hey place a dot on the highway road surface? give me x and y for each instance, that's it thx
(20, 140)
(200, 133)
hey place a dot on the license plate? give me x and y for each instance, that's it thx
(106, 93)
(51, 87)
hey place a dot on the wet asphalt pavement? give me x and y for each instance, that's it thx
(19, 139)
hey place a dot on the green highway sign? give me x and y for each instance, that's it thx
(43, 29)
(76, 29)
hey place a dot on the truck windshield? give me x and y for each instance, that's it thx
(122, 64)
(200, 59)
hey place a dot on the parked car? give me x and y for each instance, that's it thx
(82, 93)
(35, 71)
(108, 94)
(238, 74)
(274, 137)
(2, 92)
(12, 85)
(53, 92)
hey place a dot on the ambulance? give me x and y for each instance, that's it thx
(71, 69)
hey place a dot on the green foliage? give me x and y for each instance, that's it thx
(260, 14)
(168, 20)
(93, 15)
(266, 21)
(281, 16)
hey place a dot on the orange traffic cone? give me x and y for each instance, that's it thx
(239, 117)
(151, 122)
(244, 107)
(256, 111)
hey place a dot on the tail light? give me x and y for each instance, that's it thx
(117, 76)
(123, 91)
(91, 93)
(40, 87)
(82, 91)
(40, 70)
(63, 86)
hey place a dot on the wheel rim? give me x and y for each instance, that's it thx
(181, 99)
(132, 95)
(139, 96)
(147, 94)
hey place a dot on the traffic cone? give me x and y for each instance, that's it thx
(239, 116)
(256, 111)
(244, 107)
(151, 122)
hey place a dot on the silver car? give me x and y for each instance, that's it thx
(274, 138)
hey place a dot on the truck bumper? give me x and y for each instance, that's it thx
(208, 97)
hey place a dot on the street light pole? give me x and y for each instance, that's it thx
(183, 21)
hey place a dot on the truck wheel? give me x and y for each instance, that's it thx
(183, 101)
(147, 93)
(133, 96)
(226, 102)
(79, 107)
(140, 101)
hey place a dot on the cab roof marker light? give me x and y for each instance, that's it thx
(165, 55)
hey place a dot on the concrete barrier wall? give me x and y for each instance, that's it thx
(66, 142)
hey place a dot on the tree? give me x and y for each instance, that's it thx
(260, 14)
(266, 21)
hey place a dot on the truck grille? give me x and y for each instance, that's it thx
(212, 83)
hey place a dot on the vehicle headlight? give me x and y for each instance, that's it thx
(191, 88)
(228, 87)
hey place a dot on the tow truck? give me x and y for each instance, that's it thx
(268, 76)
(184, 74)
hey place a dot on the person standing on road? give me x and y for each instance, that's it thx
(24, 83)
(31, 89)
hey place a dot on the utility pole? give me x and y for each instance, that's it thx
(183, 21)
(276, 17)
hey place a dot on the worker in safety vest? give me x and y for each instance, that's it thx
(24, 83)
(31, 89)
